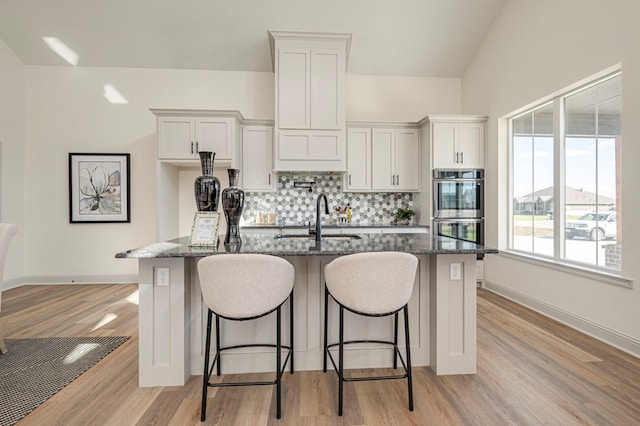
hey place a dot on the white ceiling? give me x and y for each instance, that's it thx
(434, 38)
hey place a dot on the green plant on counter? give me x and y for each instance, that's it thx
(404, 215)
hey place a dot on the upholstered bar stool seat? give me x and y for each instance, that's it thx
(375, 285)
(242, 287)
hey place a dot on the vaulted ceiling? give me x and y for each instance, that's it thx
(433, 38)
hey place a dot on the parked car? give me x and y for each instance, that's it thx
(595, 226)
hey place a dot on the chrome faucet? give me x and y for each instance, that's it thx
(318, 221)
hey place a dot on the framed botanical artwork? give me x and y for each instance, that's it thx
(99, 188)
(204, 232)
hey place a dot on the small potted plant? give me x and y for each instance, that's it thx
(404, 216)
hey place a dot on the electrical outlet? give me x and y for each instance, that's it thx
(455, 271)
(162, 277)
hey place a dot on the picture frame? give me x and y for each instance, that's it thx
(99, 188)
(204, 231)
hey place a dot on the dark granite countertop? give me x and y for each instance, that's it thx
(333, 227)
(416, 243)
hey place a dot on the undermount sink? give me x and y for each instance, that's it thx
(332, 237)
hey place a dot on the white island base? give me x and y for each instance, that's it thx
(172, 322)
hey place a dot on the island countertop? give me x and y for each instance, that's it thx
(415, 243)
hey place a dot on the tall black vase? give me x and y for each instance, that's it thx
(207, 186)
(232, 205)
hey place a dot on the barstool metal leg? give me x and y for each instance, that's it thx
(395, 341)
(326, 323)
(205, 376)
(218, 358)
(291, 327)
(341, 362)
(278, 363)
(408, 348)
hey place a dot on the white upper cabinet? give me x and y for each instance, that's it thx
(358, 159)
(383, 159)
(215, 134)
(310, 73)
(182, 134)
(257, 159)
(457, 142)
(407, 156)
(176, 137)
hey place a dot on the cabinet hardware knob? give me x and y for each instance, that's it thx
(349, 179)
(269, 178)
(398, 180)
(197, 150)
(462, 157)
(192, 147)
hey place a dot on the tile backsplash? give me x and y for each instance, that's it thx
(297, 206)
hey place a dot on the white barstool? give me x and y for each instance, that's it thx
(242, 287)
(7, 231)
(375, 285)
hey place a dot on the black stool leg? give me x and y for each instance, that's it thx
(395, 341)
(278, 361)
(218, 355)
(291, 327)
(408, 347)
(326, 322)
(205, 376)
(341, 362)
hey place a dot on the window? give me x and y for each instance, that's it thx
(565, 177)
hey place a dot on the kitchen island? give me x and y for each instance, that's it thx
(172, 316)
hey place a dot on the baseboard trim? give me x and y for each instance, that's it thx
(605, 334)
(69, 279)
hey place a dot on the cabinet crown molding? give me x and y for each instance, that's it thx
(308, 36)
(433, 118)
(160, 112)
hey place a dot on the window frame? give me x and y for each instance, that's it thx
(558, 259)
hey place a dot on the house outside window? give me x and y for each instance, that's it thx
(565, 177)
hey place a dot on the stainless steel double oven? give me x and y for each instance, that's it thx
(458, 204)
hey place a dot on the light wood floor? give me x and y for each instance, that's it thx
(531, 371)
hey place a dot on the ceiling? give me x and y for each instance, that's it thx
(433, 38)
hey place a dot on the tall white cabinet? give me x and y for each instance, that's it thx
(310, 70)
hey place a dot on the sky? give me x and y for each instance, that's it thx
(582, 157)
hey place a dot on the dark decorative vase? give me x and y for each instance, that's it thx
(232, 205)
(207, 186)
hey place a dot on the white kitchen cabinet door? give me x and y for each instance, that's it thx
(458, 145)
(383, 159)
(326, 89)
(176, 138)
(358, 159)
(310, 89)
(215, 134)
(294, 88)
(407, 156)
(445, 145)
(257, 159)
(471, 145)
(395, 159)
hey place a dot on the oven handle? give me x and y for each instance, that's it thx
(458, 180)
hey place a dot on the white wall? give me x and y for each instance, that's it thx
(388, 98)
(12, 158)
(532, 50)
(66, 112)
